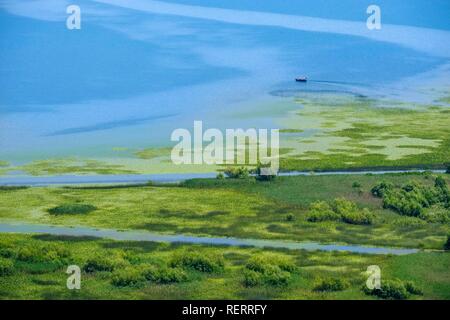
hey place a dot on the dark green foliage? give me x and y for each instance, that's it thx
(444, 193)
(321, 211)
(412, 198)
(53, 253)
(436, 213)
(358, 217)
(290, 217)
(268, 175)
(12, 188)
(100, 263)
(128, 276)
(7, 253)
(333, 284)
(220, 176)
(412, 288)
(237, 173)
(252, 278)
(394, 290)
(447, 244)
(271, 275)
(138, 275)
(381, 188)
(390, 289)
(164, 275)
(6, 267)
(203, 263)
(268, 270)
(340, 209)
(72, 208)
(356, 185)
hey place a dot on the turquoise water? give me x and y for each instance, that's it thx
(139, 69)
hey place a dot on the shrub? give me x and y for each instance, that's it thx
(47, 253)
(356, 185)
(164, 275)
(274, 276)
(269, 175)
(412, 288)
(343, 206)
(252, 278)
(6, 267)
(7, 253)
(440, 183)
(354, 217)
(447, 244)
(220, 176)
(321, 211)
(129, 276)
(263, 263)
(290, 217)
(237, 173)
(200, 262)
(381, 188)
(412, 198)
(340, 209)
(390, 289)
(333, 284)
(436, 214)
(72, 208)
(271, 270)
(101, 263)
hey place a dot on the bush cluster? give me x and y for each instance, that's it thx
(103, 263)
(412, 198)
(333, 284)
(6, 267)
(447, 244)
(340, 209)
(394, 290)
(268, 270)
(201, 262)
(43, 253)
(237, 172)
(72, 208)
(128, 276)
(164, 275)
(138, 275)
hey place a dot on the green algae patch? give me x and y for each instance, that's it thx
(359, 133)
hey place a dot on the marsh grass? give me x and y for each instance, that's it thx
(281, 274)
(242, 208)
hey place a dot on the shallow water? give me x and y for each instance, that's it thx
(128, 78)
(26, 180)
(155, 237)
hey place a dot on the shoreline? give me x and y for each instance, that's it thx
(129, 179)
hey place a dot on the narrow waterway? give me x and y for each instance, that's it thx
(27, 180)
(131, 235)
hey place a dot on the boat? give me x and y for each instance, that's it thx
(301, 79)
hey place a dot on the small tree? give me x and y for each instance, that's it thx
(447, 244)
(237, 173)
(268, 174)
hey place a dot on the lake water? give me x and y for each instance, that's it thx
(139, 69)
